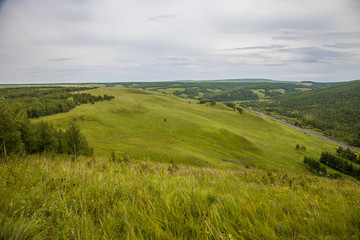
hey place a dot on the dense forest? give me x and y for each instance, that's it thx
(44, 101)
(335, 111)
(19, 135)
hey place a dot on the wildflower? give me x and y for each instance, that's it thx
(280, 225)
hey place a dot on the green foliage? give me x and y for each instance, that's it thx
(233, 95)
(56, 198)
(340, 164)
(75, 141)
(334, 110)
(224, 90)
(19, 135)
(10, 121)
(230, 105)
(203, 101)
(302, 147)
(240, 110)
(44, 101)
(315, 166)
(348, 154)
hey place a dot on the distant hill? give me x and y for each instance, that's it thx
(226, 89)
(335, 110)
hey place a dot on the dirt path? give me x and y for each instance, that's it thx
(307, 131)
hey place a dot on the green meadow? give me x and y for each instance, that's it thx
(170, 168)
(55, 197)
(152, 126)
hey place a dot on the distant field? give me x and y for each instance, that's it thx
(152, 126)
(226, 90)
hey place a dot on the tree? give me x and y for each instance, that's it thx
(230, 105)
(75, 141)
(240, 110)
(10, 119)
(47, 137)
(29, 136)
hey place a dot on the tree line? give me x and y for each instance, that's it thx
(338, 162)
(19, 135)
(44, 101)
(348, 154)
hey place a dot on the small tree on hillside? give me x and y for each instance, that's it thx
(240, 110)
(75, 141)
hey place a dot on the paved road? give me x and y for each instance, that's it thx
(306, 131)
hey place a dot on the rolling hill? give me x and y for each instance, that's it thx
(152, 126)
(170, 168)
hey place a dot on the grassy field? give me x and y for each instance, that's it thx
(152, 126)
(179, 172)
(44, 197)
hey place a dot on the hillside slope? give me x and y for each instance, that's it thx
(335, 110)
(93, 198)
(152, 126)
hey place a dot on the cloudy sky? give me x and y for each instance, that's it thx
(156, 40)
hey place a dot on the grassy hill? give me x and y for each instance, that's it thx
(333, 110)
(152, 126)
(95, 198)
(182, 175)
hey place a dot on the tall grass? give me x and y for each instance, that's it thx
(44, 197)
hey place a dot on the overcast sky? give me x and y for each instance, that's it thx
(155, 40)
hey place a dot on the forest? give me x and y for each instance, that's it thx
(19, 135)
(43, 101)
(334, 110)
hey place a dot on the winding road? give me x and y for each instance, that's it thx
(306, 131)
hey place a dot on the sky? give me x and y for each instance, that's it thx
(61, 41)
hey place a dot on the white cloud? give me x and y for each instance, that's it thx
(88, 40)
